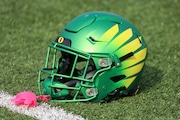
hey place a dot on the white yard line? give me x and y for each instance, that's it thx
(41, 112)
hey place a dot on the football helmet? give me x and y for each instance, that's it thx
(98, 56)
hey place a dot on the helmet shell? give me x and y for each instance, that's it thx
(115, 46)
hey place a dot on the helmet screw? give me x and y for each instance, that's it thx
(104, 87)
(118, 64)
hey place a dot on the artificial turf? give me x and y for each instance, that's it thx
(27, 27)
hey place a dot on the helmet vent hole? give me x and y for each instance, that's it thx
(93, 40)
(117, 78)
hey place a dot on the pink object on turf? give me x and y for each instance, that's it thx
(25, 98)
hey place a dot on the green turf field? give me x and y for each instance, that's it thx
(28, 26)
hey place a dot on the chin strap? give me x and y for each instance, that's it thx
(115, 94)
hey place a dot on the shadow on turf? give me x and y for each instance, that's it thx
(151, 76)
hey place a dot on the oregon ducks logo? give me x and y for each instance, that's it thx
(60, 40)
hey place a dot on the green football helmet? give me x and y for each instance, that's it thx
(98, 56)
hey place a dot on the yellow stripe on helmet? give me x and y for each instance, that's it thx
(110, 33)
(133, 70)
(120, 39)
(129, 47)
(137, 57)
(128, 81)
